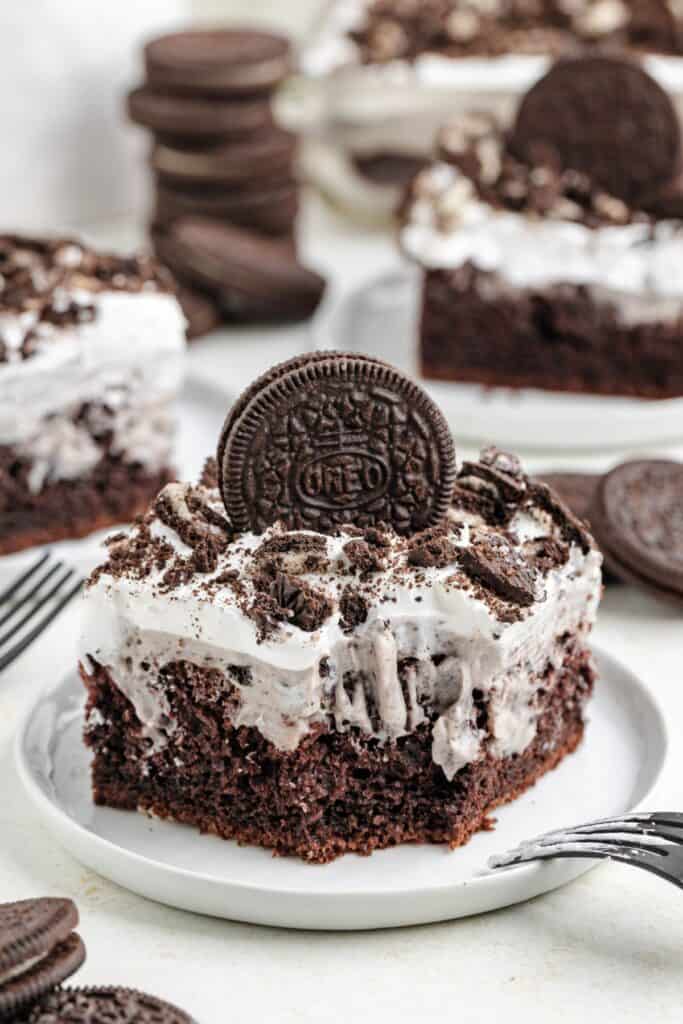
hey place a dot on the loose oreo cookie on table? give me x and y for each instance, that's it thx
(335, 438)
(637, 517)
(38, 951)
(105, 1006)
(605, 117)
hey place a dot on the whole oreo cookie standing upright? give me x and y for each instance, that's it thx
(38, 951)
(637, 516)
(105, 1006)
(335, 438)
(223, 62)
(605, 117)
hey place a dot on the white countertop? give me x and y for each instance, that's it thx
(607, 948)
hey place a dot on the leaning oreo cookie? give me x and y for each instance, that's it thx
(38, 951)
(218, 62)
(331, 439)
(605, 117)
(246, 272)
(105, 1006)
(637, 519)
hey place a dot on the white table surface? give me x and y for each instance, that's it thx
(607, 948)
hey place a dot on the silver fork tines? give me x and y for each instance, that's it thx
(653, 842)
(48, 585)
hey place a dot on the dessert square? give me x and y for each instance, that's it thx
(554, 261)
(393, 70)
(91, 356)
(342, 663)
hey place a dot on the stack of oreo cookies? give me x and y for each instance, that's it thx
(220, 159)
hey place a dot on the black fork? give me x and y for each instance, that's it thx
(31, 602)
(653, 842)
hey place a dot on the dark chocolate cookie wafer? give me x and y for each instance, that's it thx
(221, 61)
(240, 268)
(38, 950)
(201, 312)
(191, 117)
(637, 516)
(577, 490)
(105, 1006)
(332, 439)
(606, 117)
(266, 157)
(272, 210)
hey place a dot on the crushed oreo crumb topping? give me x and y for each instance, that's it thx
(433, 548)
(493, 561)
(353, 609)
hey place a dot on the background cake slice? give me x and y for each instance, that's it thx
(551, 246)
(91, 356)
(357, 683)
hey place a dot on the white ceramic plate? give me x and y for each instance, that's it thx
(614, 770)
(201, 410)
(381, 319)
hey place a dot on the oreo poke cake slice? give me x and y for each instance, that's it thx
(392, 70)
(91, 356)
(339, 639)
(551, 247)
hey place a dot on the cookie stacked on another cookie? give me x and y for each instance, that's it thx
(219, 154)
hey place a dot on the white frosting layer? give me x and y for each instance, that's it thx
(128, 359)
(449, 226)
(349, 679)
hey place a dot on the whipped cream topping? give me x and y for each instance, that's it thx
(429, 643)
(127, 362)
(447, 226)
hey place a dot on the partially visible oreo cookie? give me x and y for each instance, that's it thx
(201, 312)
(105, 1006)
(194, 117)
(38, 951)
(218, 62)
(265, 156)
(331, 439)
(248, 274)
(637, 515)
(577, 491)
(605, 117)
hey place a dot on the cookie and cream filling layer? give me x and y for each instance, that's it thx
(90, 348)
(361, 631)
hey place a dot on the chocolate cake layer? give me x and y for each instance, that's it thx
(114, 492)
(559, 338)
(336, 792)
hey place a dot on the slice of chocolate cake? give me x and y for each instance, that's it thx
(91, 355)
(338, 641)
(552, 247)
(392, 70)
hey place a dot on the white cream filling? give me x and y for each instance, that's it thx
(424, 613)
(634, 264)
(127, 362)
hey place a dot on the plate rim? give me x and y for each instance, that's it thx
(62, 820)
(325, 331)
